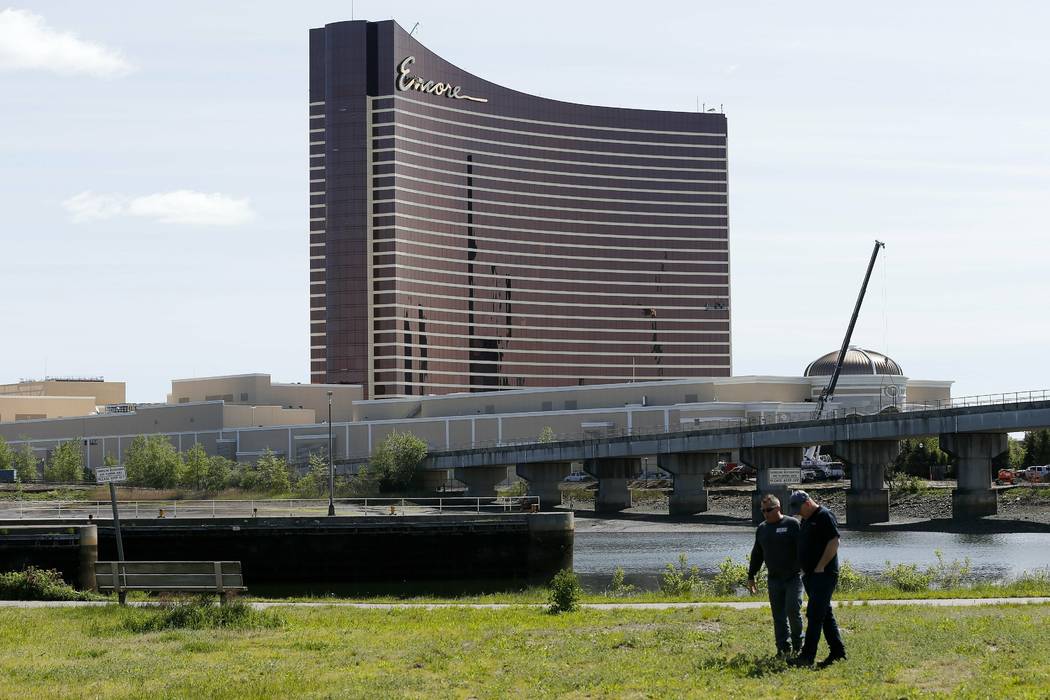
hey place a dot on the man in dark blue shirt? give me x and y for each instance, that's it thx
(776, 545)
(818, 548)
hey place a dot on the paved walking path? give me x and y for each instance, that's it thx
(737, 605)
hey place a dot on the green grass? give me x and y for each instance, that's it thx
(461, 653)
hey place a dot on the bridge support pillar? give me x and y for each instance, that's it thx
(763, 459)
(481, 481)
(544, 479)
(973, 454)
(868, 499)
(689, 468)
(434, 479)
(612, 474)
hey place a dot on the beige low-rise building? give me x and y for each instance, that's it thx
(242, 416)
(33, 399)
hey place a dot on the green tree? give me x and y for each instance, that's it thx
(25, 461)
(314, 483)
(7, 455)
(1036, 447)
(194, 468)
(218, 474)
(546, 435)
(65, 465)
(396, 460)
(269, 475)
(152, 461)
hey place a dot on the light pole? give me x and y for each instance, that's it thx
(331, 461)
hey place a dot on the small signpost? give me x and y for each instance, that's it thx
(784, 477)
(112, 475)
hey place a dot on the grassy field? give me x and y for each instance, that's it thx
(989, 652)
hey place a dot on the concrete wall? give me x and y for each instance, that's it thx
(259, 390)
(23, 408)
(103, 392)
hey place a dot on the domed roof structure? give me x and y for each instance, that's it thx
(857, 361)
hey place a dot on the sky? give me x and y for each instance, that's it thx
(153, 172)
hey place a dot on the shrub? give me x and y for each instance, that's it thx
(680, 580)
(269, 475)
(618, 586)
(200, 613)
(851, 580)
(564, 592)
(546, 435)
(951, 574)
(731, 577)
(901, 484)
(907, 577)
(38, 584)
(394, 463)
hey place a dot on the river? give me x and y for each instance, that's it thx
(643, 555)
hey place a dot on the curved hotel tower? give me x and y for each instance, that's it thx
(468, 237)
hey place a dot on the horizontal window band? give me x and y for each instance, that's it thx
(603, 319)
(401, 99)
(553, 339)
(547, 280)
(586, 246)
(510, 264)
(514, 291)
(525, 296)
(561, 379)
(535, 195)
(551, 173)
(508, 368)
(490, 202)
(471, 125)
(562, 304)
(556, 161)
(547, 219)
(633, 234)
(513, 144)
(547, 183)
(505, 351)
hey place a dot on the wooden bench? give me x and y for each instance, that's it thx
(220, 577)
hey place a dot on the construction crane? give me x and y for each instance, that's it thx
(811, 456)
(829, 391)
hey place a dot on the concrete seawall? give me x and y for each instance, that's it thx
(407, 548)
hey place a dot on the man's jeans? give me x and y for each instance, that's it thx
(785, 602)
(819, 615)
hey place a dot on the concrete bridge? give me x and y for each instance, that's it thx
(868, 444)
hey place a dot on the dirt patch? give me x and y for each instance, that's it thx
(940, 676)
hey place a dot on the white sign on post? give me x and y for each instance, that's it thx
(105, 475)
(785, 476)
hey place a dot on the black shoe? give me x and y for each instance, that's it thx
(800, 661)
(832, 658)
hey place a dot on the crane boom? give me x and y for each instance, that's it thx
(829, 391)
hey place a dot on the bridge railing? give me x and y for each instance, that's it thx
(1005, 398)
(259, 508)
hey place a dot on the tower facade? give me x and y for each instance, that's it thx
(468, 237)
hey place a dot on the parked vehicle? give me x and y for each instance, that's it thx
(730, 473)
(578, 476)
(1038, 474)
(1006, 476)
(820, 468)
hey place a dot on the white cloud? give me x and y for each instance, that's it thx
(28, 43)
(177, 207)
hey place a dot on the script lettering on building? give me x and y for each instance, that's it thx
(407, 81)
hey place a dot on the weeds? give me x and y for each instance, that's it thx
(618, 587)
(680, 580)
(200, 613)
(39, 584)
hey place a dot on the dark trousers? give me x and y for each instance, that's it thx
(819, 615)
(785, 602)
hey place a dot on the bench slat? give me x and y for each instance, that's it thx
(170, 580)
(187, 567)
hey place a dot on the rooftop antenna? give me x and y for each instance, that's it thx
(414, 28)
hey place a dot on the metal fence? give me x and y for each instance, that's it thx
(284, 507)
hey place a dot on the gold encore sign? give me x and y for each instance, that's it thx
(407, 81)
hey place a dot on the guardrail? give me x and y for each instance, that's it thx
(283, 507)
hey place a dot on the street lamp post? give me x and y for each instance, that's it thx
(331, 461)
